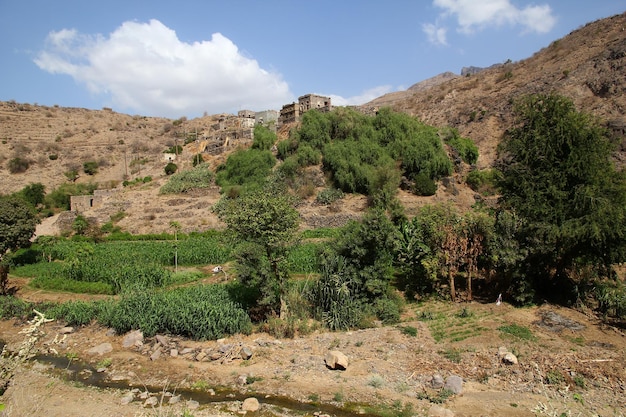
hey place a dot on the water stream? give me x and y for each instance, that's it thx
(77, 371)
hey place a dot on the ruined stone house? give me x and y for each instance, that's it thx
(291, 113)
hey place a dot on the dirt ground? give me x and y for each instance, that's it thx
(572, 363)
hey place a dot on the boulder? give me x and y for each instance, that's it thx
(192, 404)
(437, 382)
(134, 338)
(250, 404)
(246, 353)
(439, 411)
(454, 383)
(101, 349)
(334, 359)
(151, 402)
(127, 398)
(156, 354)
(163, 340)
(509, 359)
(66, 330)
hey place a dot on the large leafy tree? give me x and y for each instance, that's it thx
(17, 225)
(559, 178)
(265, 222)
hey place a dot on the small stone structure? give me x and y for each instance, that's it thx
(82, 203)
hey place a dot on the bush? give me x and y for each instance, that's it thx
(466, 149)
(328, 196)
(198, 177)
(18, 165)
(245, 168)
(483, 181)
(197, 159)
(170, 168)
(264, 138)
(90, 167)
(424, 185)
(611, 298)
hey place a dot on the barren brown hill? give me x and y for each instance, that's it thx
(588, 66)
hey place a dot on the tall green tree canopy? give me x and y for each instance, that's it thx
(354, 145)
(264, 222)
(17, 224)
(559, 178)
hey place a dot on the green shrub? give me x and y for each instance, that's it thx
(53, 156)
(264, 138)
(387, 310)
(14, 307)
(611, 296)
(328, 196)
(18, 165)
(424, 185)
(290, 167)
(464, 147)
(90, 167)
(483, 181)
(170, 168)
(245, 168)
(408, 330)
(200, 176)
(197, 159)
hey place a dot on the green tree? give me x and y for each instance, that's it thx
(557, 175)
(264, 221)
(34, 193)
(170, 168)
(244, 168)
(17, 226)
(264, 138)
(357, 269)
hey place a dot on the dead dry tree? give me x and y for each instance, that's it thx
(11, 360)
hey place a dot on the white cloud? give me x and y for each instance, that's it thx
(474, 15)
(145, 68)
(364, 97)
(436, 35)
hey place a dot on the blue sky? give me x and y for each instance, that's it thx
(187, 58)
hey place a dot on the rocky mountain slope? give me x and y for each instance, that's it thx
(588, 66)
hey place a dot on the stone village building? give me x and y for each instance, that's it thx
(291, 113)
(230, 131)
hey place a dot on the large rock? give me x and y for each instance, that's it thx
(250, 404)
(437, 382)
(509, 359)
(439, 411)
(336, 360)
(134, 338)
(454, 383)
(101, 349)
(246, 353)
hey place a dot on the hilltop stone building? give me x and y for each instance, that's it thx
(291, 113)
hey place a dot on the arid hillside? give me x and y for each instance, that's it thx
(45, 143)
(588, 66)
